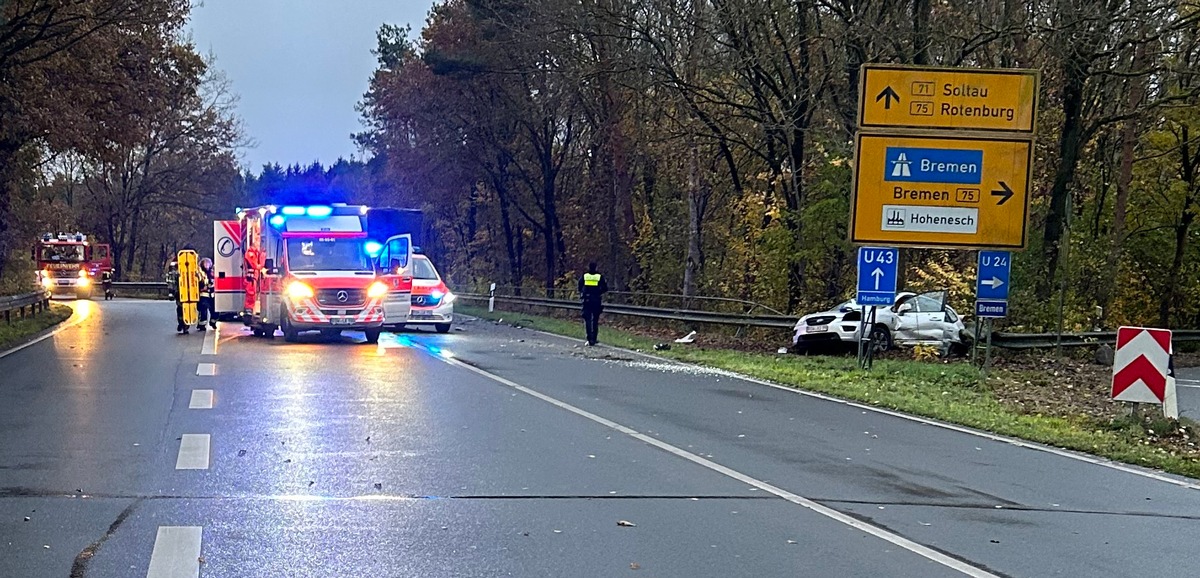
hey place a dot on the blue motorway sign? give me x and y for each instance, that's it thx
(991, 287)
(877, 276)
(924, 165)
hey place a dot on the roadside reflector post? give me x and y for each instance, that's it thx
(492, 298)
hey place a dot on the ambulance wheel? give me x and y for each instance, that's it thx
(256, 331)
(372, 335)
(290, 334)
(442, 327)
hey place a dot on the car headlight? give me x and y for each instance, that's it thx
(47, 282)
(377, 290)
(299, 290)
(448, 299)
(83, 273)
(84, 281)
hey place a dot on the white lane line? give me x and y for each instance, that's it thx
(201, 399)
(193, 452)
(210, 342)
(835, 515)
(1183, 483)
(176, 552)
(206, 369)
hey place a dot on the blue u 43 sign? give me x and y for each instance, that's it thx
(877, 268)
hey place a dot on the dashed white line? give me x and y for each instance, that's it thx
(176, 552)
(878, 532)
(193, 452)
(210, 342)
(201, 399)
(206, 369)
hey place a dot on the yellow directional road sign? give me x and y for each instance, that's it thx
(944, 191)
(948, 98)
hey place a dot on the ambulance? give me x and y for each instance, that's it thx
(305, 268)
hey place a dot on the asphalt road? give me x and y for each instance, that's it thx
(1187, 392)
(494, 451)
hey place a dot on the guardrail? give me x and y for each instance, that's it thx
(156, 287)
(36, 302)
(1005, 340)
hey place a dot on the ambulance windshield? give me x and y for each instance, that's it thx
(327, 254)
(62, 253)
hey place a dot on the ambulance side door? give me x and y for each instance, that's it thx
(395, 266)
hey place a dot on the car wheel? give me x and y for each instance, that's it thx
(442, 327)
(372, 335)
(881, 338)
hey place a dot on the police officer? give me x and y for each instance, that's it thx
(592, 286)
(206, 307)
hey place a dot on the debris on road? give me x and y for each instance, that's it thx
(241, 453)
(634, 565)
(626, 524)
(689, 338)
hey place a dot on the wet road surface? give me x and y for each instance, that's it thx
(493, 451)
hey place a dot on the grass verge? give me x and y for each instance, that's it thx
(20, 330)
(949, 392)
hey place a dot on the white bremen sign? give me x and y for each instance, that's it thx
(930, 219)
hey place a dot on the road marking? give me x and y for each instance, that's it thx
(902, 542)
(193, 452)
(1183, 483)
(210, 342)
(1187, 383)
(206, 369)
(176, 552)
(201, 399)
(76, 318)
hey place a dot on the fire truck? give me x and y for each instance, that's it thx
(70, 264)
(305, 268)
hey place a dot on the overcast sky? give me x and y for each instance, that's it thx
(299, 67)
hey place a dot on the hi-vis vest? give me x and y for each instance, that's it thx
(591, 279)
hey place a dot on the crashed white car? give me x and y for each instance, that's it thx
(923, 319)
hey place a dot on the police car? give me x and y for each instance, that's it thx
(432, 301)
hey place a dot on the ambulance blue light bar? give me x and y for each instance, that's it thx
(318, 211)
(278, 220)
(293, 211)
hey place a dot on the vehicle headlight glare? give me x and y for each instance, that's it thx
(299, 290)
(377, 290)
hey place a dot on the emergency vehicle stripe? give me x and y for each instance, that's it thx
(235, 232)
(229, 283)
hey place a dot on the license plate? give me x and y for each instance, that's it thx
(817, 329)
(342, 321)
(422, 314)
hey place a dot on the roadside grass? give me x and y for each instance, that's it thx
(949, 392)
(21, 330)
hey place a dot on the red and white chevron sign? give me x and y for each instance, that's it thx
(1141, 365)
